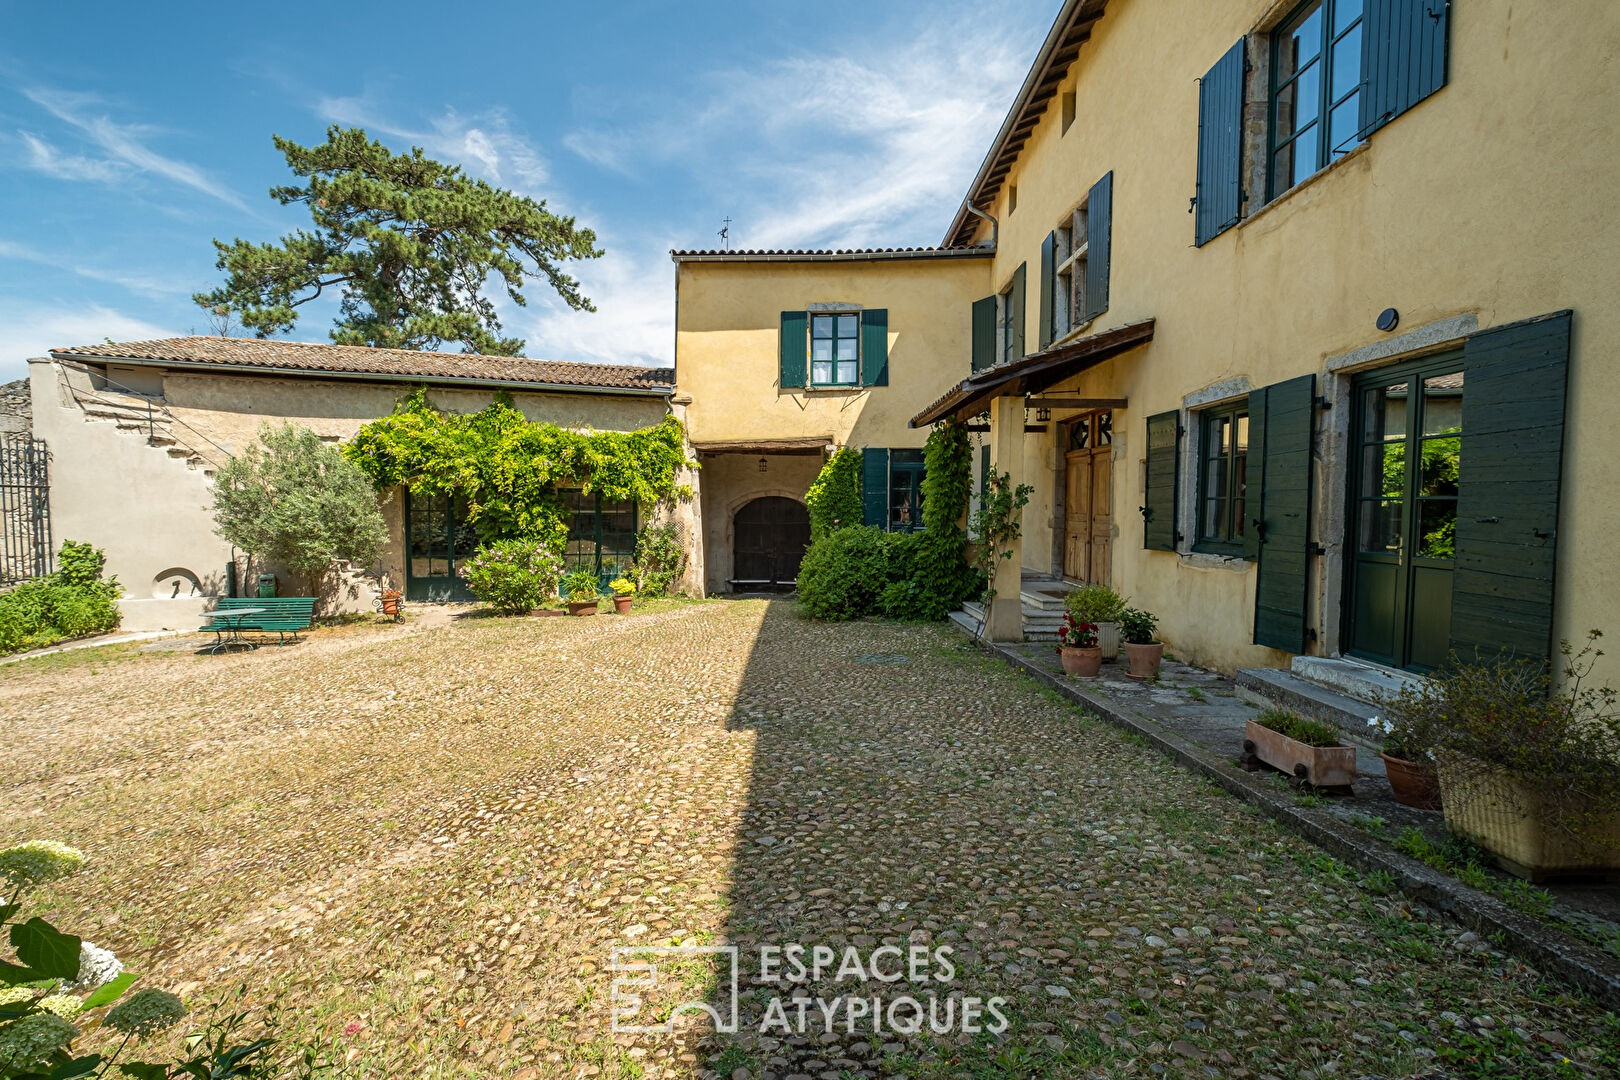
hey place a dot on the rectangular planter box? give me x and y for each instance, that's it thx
(1325, 766)
(1513, 823)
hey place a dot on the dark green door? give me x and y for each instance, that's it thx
(437, 541)
(1403, 513)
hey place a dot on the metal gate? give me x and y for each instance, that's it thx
(25, 509)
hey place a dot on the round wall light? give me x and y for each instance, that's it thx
(1388, 319)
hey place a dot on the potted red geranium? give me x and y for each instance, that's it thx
(1078, 647)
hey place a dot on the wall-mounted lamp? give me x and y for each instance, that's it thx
(1042, 415)
(762, 464)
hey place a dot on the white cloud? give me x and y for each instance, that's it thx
(152, 287)
(124, 143)
(871, 147)
(633, 289)
(31, 329)
(485, 144)
(64, 166)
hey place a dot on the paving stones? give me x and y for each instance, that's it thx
(432, 842)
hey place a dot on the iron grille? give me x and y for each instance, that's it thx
(25, 509)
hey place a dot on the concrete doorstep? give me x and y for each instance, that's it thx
(1198, 721)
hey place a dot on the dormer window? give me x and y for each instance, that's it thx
(835, 349)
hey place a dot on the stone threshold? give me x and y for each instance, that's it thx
(1551, 951)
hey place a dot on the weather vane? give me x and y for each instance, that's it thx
(725, 234)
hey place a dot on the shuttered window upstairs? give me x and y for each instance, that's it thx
(1403, 57)
(792, 353)
(1218, 198)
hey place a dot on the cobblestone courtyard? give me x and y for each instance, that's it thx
(426, 840)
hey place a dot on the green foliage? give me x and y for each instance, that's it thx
(580, 586)
(1463, 860)
(834, 498)
(659, 558)
(1095, 603)
(298, 502)
(947, 478)
(1297, 727)
(510, 468)
(513, 576)
(1507, 716)
(1138, 627)
(75, 601)
(411, 243)
(996, 524)
(845, 573)
(622, 586)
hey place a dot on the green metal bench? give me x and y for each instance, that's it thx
(283, 616)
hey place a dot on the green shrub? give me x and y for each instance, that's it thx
(580, 586)
(834, 498)
(929, 577)
(1298, 728)
(659, 558)
(75, 601)
(845, 574)
(1138, 627)
(513, 576)
(1095, 603)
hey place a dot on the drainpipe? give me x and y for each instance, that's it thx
(995, 227)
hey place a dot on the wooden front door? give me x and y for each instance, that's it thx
(1088, 524)
(769, 540)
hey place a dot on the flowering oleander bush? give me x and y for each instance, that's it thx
(513, 576)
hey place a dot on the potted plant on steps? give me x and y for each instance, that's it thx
(1144, 652)
(1306, 749)
(1529, 763)
(580, 589)
(1409, 760)
(1078, 648)
(1100, 605)
(624, 591)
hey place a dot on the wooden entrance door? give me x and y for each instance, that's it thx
(769, 539)
(1088, 524)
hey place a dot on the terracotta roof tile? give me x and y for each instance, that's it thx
(308, 357)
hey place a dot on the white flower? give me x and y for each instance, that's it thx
(63, 1005)
(38, 862)
(96, 966)
(146, 1011)
(33, 1039)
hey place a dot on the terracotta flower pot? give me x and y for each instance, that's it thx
(1415, 783)
(582, 607)
(621, 604)
(1323, 766)
(1085, 663)
(1144, 660)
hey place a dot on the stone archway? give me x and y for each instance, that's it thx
(769, 536)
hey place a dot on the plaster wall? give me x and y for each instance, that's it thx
(1485, 204)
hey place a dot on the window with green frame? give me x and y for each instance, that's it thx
(905, 490)
(835, 349)
(601, 533)
(1315, 90)
(1223, 465)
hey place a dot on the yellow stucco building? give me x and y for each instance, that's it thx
(1297, 318)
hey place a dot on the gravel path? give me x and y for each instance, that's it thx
(427, 843)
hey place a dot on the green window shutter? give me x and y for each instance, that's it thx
(1159, 511)
(984, 471)
(1015, 309)
(875, 347)
(1508, 488)
(1219, 196)
(791, 349)
(1099, 240)
(1403, 57)
(1048, 280)
(1282, 428)
(984, 333)
(875, 486)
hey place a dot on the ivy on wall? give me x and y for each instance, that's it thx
(834, 499)
(509, 468)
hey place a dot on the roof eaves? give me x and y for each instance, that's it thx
(875, 255)
(656, 390)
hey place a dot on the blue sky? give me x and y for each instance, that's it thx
(132, 134)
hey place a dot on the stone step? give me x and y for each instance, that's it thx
(1291, 691)
(1047, 598)
(967, 622)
